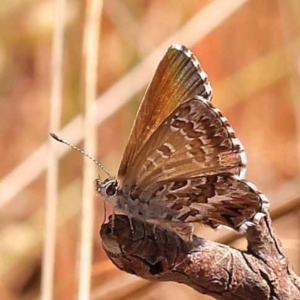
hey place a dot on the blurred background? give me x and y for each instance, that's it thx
(52, 71)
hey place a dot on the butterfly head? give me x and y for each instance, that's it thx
(107, 188)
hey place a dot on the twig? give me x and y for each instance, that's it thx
(211, 268)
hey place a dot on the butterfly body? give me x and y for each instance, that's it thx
(183, 163)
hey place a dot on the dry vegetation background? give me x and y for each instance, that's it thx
(252, 58)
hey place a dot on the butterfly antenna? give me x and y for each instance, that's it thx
(53, 135)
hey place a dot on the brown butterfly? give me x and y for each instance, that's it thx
(183, 163)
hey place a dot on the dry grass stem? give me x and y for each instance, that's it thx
(47, 285)
(90, 58)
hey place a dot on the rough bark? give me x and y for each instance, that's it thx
(262, 272)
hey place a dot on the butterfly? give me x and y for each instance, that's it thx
(183, 163)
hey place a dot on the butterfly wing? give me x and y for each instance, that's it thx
(215, 200)
(194, 140)
(178, 77)
(183, 159)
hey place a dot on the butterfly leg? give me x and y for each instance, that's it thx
(154, 224)
(130, 220)
(154, 230)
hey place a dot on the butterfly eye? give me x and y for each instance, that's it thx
(111, 188)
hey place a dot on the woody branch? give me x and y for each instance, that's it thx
(262, 272)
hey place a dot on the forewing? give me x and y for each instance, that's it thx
(213, 200)
(178, 77)
(194, 140)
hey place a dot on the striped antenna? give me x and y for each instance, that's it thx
(53, 135)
